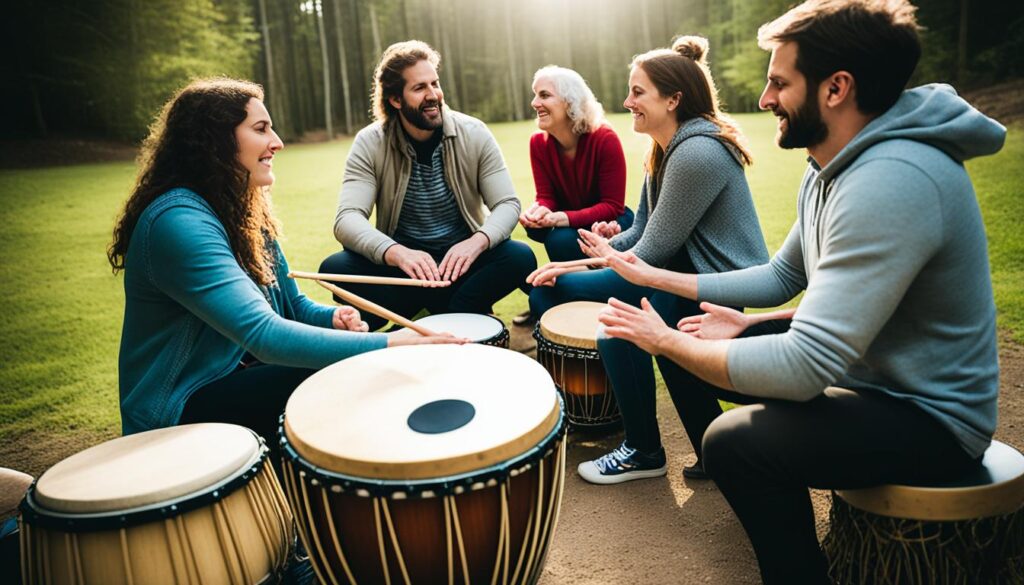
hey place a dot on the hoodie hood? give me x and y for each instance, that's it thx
(933, 114)
(700, 127)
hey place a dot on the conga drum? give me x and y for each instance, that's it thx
(567, 347)
(968, 531)
(477, 328)
(426, 464)
(189, 504)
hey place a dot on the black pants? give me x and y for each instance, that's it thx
(495, 273)
(765, 456)
(252, 397)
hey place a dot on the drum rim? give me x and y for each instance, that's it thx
(497, 337)
(36, 514)
(562, 350)
(543, 413)
(582, 343)
(943, 503)
(427, 487)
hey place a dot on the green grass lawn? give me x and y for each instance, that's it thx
(61, 325)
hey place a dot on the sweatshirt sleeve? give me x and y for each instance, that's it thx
(610, 167)
(876, 237)
(691, 182)
(191, 261)
(767, 285)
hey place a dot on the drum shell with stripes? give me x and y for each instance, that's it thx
(336, 524)
(236, 533)
(489, 525)
(567, 348)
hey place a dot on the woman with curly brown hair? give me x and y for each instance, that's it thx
(214, 330)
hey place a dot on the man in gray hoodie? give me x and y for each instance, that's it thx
(888, 372)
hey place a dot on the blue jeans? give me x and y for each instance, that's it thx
(495, 273)
(631, 373)
(560, 242)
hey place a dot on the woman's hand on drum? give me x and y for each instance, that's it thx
(606, 229)
(629, 266)
(642, 326)
(410, 337)
(717, 322)
(348, 319)
(547, 275)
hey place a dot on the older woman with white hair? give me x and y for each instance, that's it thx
(578, 167)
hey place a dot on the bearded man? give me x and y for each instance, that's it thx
(444, 197)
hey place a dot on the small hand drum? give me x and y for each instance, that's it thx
(187, 504)
(567, 347)
(477, 328)
(426, 464)
(965, 531)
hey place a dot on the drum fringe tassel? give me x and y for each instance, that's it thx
(865, 548)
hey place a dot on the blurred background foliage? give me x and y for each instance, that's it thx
(102, 68)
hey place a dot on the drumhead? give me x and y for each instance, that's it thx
(147, 468)
(472, 326)
(572, 324)
(474, 406)
(995, 487)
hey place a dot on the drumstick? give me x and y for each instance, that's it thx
(372, 307)
(359, 279)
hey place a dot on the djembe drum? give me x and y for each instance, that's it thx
(567, 347)
(961, 532)
(189, 504)
(483, 329)
(426, 464)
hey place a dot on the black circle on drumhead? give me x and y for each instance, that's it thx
(441, 416)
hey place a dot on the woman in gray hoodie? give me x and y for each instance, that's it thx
(696, 214)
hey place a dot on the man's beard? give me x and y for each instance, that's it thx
(417, 118)
(804, 127)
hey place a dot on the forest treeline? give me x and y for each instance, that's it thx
(102, 68)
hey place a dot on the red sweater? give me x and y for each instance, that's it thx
(591, 187)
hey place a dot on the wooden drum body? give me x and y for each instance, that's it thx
(426, 464)
(963, 532)
(188, 504)
(567, 348)
(477, 328)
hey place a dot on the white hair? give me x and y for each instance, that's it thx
(584, 110)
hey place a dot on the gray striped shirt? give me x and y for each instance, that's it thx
(430, 218)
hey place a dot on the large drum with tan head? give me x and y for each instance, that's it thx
(567, 347)
(426, 464)
(189, 504)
